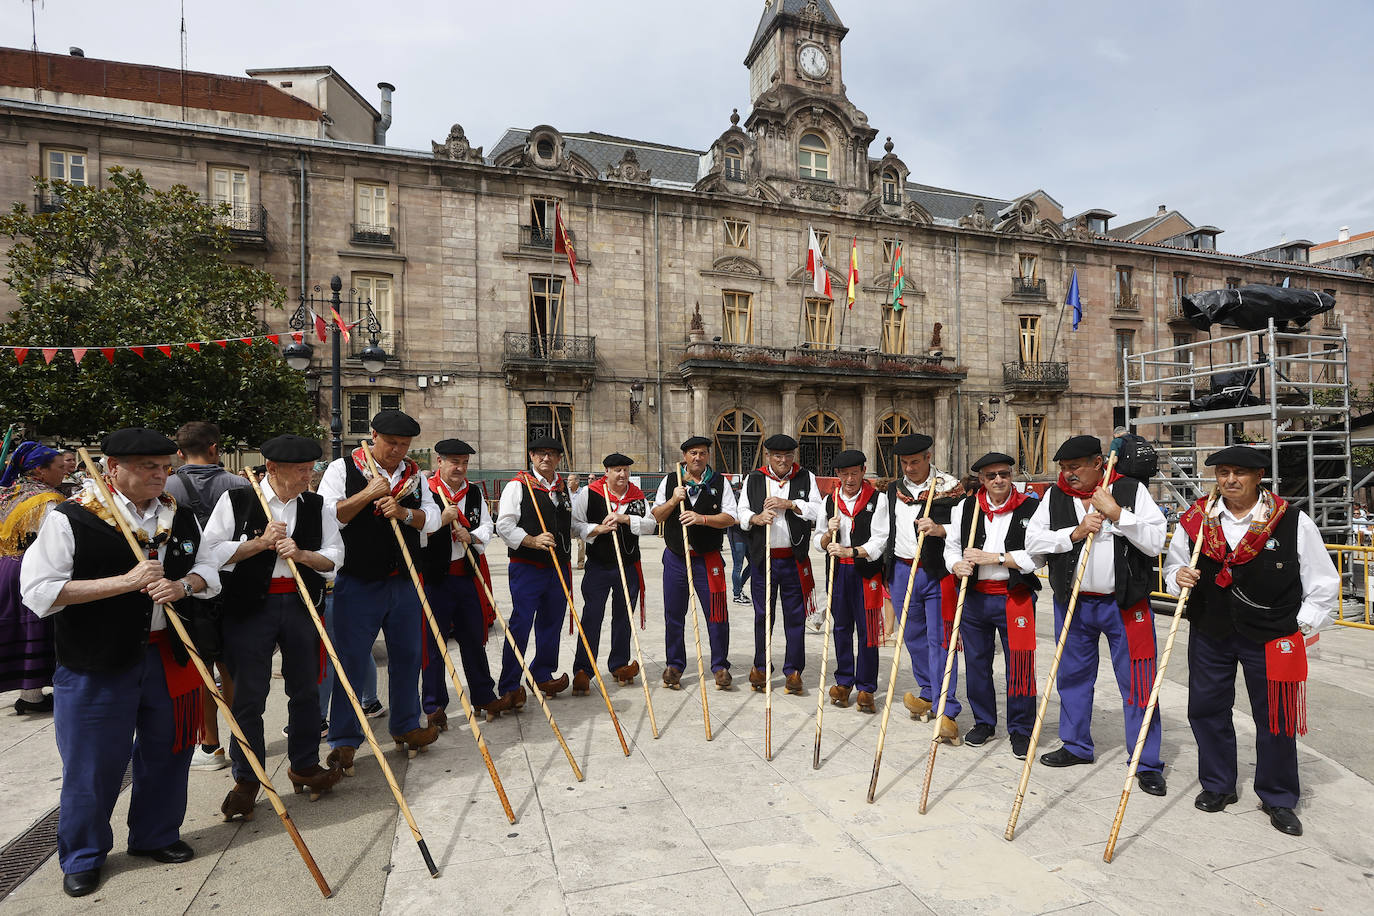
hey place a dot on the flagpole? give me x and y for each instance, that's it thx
(551, 317)
(1059, 325)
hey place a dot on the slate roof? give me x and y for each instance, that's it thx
(669, 165)
(944, 204)
(776, 9)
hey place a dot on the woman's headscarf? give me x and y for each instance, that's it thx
(25, 458)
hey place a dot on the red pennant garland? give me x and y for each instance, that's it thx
(194, 345)
(138, 351)
(247, 340)
(275, 338)
(48, 354)
(166, 350)
(109, 354)
(20, 353)
(224, 344)
(77, 353)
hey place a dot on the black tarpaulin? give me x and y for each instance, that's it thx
(1251, 306)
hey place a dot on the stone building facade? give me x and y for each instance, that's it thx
(695, 312)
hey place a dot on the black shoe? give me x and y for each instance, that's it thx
(979, 734)
(1283, 819)
(1151, 783)
(81, 883)
(24, 707)
(171, 854)
(1019, 745)
(1063, 758)
(374, 709)
(324, 728)
(1212, 802)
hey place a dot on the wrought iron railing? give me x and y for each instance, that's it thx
(245, 220)
(542, 237)
(556, 349)
(1176, 310)
(363, 234)
(1021, 374)
(1127, 302)
(1331, 321)
(735, 173)
(1028, 286)
(48, 201)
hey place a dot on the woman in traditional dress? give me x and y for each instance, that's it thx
(29, 480)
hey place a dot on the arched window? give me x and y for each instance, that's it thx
(890, 428)
(734, 163)
(813, 156)
(821, 438)
(739, 436)
(892, 192)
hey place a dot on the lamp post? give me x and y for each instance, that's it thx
(298, 355)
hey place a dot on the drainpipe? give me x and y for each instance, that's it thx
(658, 339)
(301, 172)
(379, 135)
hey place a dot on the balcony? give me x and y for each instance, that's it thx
(752, 364)
(1035, 376)
(1029, 288)
(1331, 321)
(892, 197)
(378, 236)
(47, 201)
(247, 224)
(1126, 302)
(734, 172)
(548, 360)
(1176, 311)
(541, 237)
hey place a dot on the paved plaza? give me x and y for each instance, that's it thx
(682, 825)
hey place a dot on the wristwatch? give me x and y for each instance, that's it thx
(410, 514)
(190, 589)
(1001, 559)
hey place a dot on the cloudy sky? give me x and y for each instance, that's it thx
(1245, 114)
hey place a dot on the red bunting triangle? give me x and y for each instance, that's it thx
(194, 345)
(224, 344)
(138, 351)
(298, 336)
(20, 353)
(49, 353)
(166, 350)
(109, 354)
(77, 353)
(275, 338)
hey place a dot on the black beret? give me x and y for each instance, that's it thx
(290, 449)
(849, 458)
(453, 447)
(992, 458)
(395, 423)
(695, 442)
(780, 442)
(617, 460)
(913, 444)
(545, 442)
(1079, 447)
(137, 441)
(1239, 456)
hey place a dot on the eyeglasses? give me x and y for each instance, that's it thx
(993, 475)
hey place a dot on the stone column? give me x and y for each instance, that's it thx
(700, 394)
(940, 432)
(868, 416)
(789, 410)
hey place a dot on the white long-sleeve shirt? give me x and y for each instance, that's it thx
(811, 509)
(905, 514)
(1321, 583)
(1144, 527)
(481, 535)
(728, 504)
(995, 542)
(218, 542)
(581, 528)
(877, 531)
(508, 510)
(334, 490)
(49, 562)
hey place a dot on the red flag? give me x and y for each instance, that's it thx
(49, 353)
(138, 351)
(298, 336)
(224, 344)
(77, 353)
(338, 320)
(815, 262)
(109, 354)
(20, 353)
(275, 338)
(321, 328)
(166, 350)
(561, 243)
(194, 345)
(246, 340)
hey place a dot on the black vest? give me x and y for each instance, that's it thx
(110, 635)
(1015, 539)
(438, 553)
(1264, 596)
(798, 490)
(932, 558)
(1133, 570)
(245, 586)
(708, 502)
(557, 514)
(370, 548)
(859, 534)
(602, 550)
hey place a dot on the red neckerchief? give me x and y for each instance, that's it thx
(1015, 499)
(613, 502)
(907, 499)
(865, 494)
(792, 472)
(437, 486)
(1083, 494)
(408, 470)
(533, 480)
(1214, 540)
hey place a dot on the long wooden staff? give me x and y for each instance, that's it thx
(582, 634)
(519, 656)
(696, 624)
(1183, 596)
(768, 640)
(897, 652)
(175, 620)
(352, 697)
(825, 648)
(629, 609)
(1054, 670)
(443, 649)
(949, 660)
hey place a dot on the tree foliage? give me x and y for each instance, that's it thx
(127, 264)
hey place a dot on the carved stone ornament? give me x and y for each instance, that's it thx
(935, 342)
(456, 147)
(735, 264)
(978, 219)
(811, 12)
(697, 324)
(1079, 230)
(628, 169)
(818, 194)
(1366, 267)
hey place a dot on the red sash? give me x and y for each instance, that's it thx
(483, 571)
(1139, 623)
(873, 609)
(613, 504)
(715, 584)
(808, 585)
(949, 600)
(183, 686)
(1021, 643)
(1285, 668)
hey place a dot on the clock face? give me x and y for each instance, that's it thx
(813, 61)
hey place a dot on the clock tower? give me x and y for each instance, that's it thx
(797, 43)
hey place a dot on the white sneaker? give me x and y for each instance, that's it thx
(215, 760)
(816, 621)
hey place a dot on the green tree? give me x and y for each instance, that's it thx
(130, 265)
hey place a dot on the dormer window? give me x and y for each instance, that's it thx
(892, 189)
(813, 157)
(1097, 225)
(1205, 241)
(734, 164)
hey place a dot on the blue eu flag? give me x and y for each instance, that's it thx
(1072, 299)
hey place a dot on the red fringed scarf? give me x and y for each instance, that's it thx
(1020, 614)
(1139, 623)
(1084, 494)
(808, 585)
(949, 601)
(183, 686)
(715, 584)
(1214, 539)
(1285, 667)
(613, 505)
(872, 586)
(455, 498)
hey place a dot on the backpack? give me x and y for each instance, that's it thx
(1135, 457)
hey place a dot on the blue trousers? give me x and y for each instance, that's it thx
(739, 565)
(787, 583)
(985, 621)
(599, 582)
(101, 721)
(1093, 618)
(925, 631)
(458, 611)
(675, 604)
(1211, 694)
(362, 609)
(538, 602)
(367, 689)
(850, 620)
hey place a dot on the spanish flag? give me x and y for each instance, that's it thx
(853, 272)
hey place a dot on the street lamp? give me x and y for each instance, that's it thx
(299, 354)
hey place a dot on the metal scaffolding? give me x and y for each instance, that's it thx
(1286, 391)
